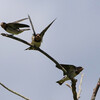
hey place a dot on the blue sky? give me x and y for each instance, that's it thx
(74, 38)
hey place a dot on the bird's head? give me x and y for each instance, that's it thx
(37, 38)
(3, 24)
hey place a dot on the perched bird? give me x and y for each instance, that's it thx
(14, 27)
(37, 38)
(72, 71)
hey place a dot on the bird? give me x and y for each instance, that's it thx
(37, 38)
(14, 27)
(71, 70)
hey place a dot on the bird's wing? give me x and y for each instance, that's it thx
(19, 20)
(66, 66)
(34, 33)
(69, 68)
(43, 32)
(17, 25)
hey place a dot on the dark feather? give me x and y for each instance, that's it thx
(60, 83)
(68, 68)
(17, 25)
(43, 32)
(19, 20)
(34, 33)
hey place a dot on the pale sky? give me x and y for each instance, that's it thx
(74, 38)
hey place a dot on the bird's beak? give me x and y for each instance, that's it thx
(80, 69)
(0, 24)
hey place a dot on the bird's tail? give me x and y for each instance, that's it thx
(60, 82)
(29, 48)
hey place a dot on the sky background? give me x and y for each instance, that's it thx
(74, 38)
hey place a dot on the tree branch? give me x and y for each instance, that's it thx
(51, 58)
(73, 85)
(40, 50)
(72, 80)
(73, 88)
(15, 38)
(14, 92)
(95, 90)
(68, 85)
(79, 92)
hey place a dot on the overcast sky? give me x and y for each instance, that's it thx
(74, 38)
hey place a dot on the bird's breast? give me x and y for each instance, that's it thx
(36, 44)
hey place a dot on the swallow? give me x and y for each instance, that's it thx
(72, 71)
(14, 27)
(37, 38)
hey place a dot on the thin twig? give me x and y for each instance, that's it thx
(79, 92)
(68, 85)
(95, 90)
(14, 92)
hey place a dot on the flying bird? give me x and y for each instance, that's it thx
(37, 38)
(72, 71)
(14, 27)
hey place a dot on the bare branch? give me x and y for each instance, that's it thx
(15, 38)
(40, 50)
(79, 92)
(14, 92)
(72, 80)
(95, 90)
(51, 58)
(73, 85)
(74, 88)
